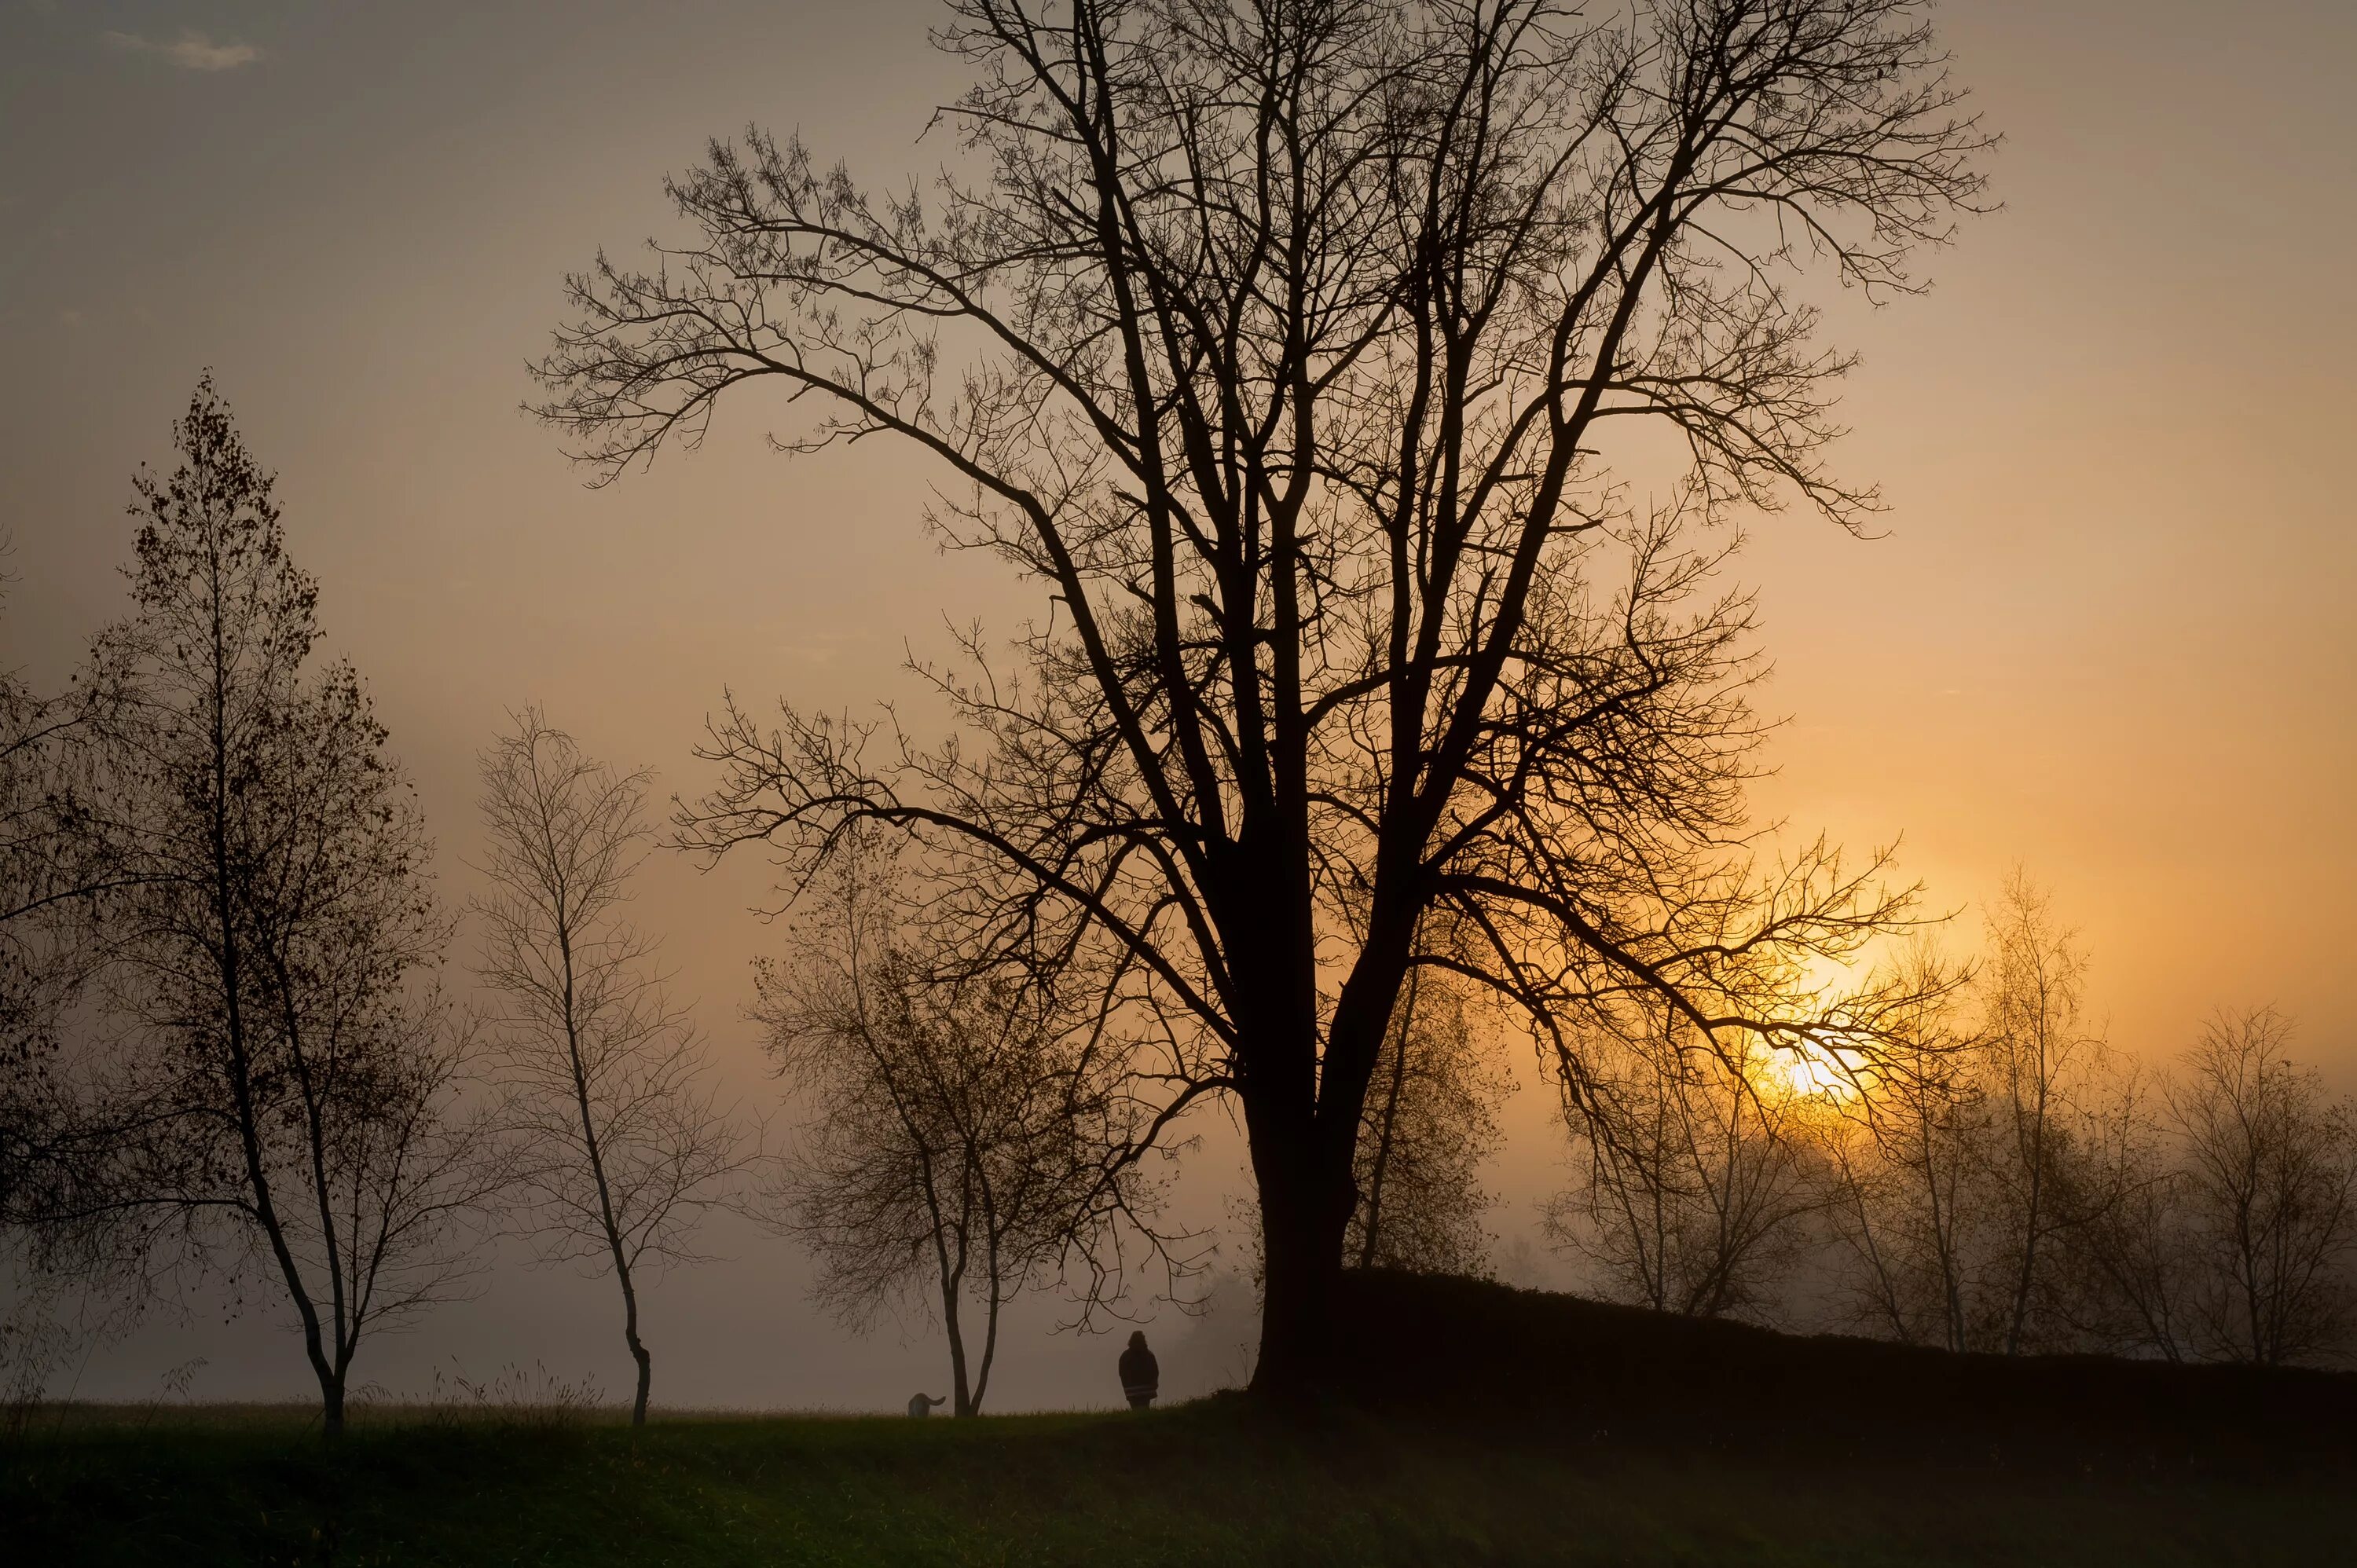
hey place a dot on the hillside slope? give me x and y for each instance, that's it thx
(1470, 1348)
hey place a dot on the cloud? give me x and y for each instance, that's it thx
(191, 51)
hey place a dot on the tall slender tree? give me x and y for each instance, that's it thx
(2040, 1053)
(282, 1074)
(1292, 347)
(623, 1143)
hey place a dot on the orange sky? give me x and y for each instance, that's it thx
(2109, 635)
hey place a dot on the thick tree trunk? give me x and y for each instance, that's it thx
(331, 1403)
(1301, 1119)
(1304, 1208)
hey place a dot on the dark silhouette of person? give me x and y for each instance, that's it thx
(922, 1405)
(1141, 1375)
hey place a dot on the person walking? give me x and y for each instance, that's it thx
(1141, 1376)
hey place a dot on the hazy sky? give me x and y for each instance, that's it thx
(2109, 635)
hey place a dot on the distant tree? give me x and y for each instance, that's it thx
(48, 880)
(1698, 1180)
(2268, 1196)
(53, 876)
(280, 1074)
(623, 1144)
(2127, 1276)
(1290, 348)
(1962, 1173)
(1431, 1123)
(2039, 1058)
(966, 1136)
(1908, 1213)
(36, 871)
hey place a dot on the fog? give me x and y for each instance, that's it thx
(2105, 634)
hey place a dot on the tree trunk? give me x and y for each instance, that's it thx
(646, 1363)
(961, 1390)
(593, 1146)
(1301, 1120)
(331, 1403)
(1304, 1208)
(989, 1353)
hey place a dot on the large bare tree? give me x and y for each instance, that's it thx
(623, 1144)
(1301, 350)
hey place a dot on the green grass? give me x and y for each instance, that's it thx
(1222, 1482)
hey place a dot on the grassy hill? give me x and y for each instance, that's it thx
(1612, 1438)
(1471, 1349)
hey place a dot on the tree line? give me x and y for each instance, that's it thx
(233, 1051)
(2003, 1181)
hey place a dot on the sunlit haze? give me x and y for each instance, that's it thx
(2103, 633)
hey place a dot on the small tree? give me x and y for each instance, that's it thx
(1959, 1179)
(967, 1136)
(282, 1073)
(2269, 1196)
(1908, 1211)
(2038, 1055)
(2128, 1278)
(53, 878)
(624, 1146)
(1698, 1181)
(1431, 1120)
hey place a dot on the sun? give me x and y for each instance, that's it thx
(1812, 1071)
(1809, 1068)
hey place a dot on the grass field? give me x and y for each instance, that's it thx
(1220, 1482)
(1493, 1426)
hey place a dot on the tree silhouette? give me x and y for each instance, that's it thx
(2268, 1194)
(1698, 1182)
(623, 1143)
(1297, 345)
(1431, 1120)
(278, 1081)
(968, 1134)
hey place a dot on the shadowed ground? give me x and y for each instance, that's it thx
(1427, 1479)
